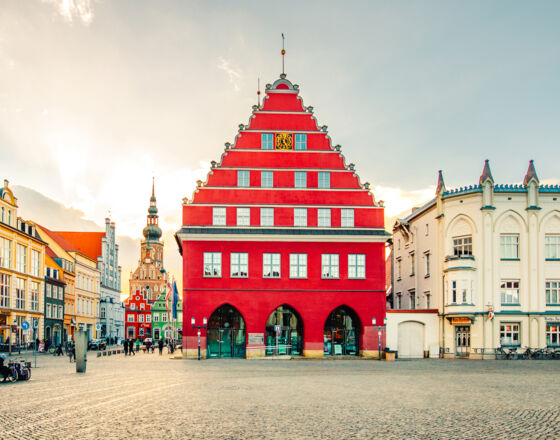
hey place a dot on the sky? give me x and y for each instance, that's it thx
(98, 96)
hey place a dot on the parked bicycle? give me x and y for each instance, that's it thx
(506, 353)
(20, 370)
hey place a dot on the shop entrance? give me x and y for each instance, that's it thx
(341, 334)
(284, 332)
(462, 340)
(226, 333)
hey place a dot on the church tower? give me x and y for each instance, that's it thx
(149, 278)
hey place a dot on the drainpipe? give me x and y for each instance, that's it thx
(443, 315)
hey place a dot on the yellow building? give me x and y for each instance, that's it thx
(22, 271)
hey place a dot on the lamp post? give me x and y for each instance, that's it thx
(198, 327)
(379, 328)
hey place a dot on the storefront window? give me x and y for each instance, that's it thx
(509, 334)
(553, 335)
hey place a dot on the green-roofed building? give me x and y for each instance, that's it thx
(163, 324)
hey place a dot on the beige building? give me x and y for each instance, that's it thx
(487, 257)
(22, 271)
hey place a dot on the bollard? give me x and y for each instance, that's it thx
(109, 353)
(81, 351)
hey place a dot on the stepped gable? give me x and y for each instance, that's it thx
(283, 113)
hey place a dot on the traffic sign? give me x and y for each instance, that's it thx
(35, 323)
(98, 327)
(25, 325)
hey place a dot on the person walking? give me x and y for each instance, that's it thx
(125, 347)
(137, 345)
(160, 346)
(131, 346)
(59, 351)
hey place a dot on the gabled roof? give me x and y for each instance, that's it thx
(51, 253)
(87, 243)
(59, 239)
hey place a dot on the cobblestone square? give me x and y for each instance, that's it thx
(153, 397)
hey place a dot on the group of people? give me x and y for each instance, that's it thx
(131, 347)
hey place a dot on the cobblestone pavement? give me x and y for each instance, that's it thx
(153, 397)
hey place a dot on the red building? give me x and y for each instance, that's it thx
(283, 247)
(137, 316)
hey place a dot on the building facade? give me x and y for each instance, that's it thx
(22, 271)
(487, 257)
(54, 299)
(138, 316)
(102, 247)
(283, 247)
(150, 276)
(163, 324)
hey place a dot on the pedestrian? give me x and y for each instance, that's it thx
(4, 370)
(137, 345)
(160, 346)
(125, 346)
(59, 351)
(131, 347)
(73, 352)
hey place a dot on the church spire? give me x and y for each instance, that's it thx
(152, 231)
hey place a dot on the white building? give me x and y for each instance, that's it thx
(487, 257)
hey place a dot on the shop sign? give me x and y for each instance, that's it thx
(460, 320)
(256, 338)
(284, 141)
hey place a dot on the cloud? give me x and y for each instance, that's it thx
(72, 10)
(234, 74)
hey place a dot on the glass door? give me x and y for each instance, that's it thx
(462, 340)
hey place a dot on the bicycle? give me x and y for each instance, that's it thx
(512, 353)
(20, 370)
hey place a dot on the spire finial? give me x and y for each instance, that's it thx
(283, 54)
(486, 174)
(440, 189)
(153, 186)
(531, 174)
(259, 92)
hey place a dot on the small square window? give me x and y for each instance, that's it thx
(267, 216)
(267, 179)
(300, 179)
(267, 141)
(243, 178)
(301, 142)
(300, 216)
(243, 216)
(324, 179)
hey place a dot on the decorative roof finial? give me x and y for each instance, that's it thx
(153, 186)
(531, 174)
(440, 189)
(259, 92)
(486, 174)
(283, 54)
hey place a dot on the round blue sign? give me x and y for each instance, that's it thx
(25, 325)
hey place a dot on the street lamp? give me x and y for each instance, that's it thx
(379, 328)
(198, 327)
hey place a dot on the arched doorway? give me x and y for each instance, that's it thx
(284, 332)
(341, 333)
(226, 333)
(56, 334)
(48, 333)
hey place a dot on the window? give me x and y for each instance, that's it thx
(21, 258)
(454, 292)
(164, 317)
(35, 263)
(142, 306)
(324, 218)
(301, 142)
(509, 292)
(347, 218)
(130, 318)
(219, 216)
(552, 292)
(427, 295)
(300, 180)
(412, 294)
(399, 268)
(356, 266)
(509, 246)
(462, 246)
(148, 318)
(427, 261)
(102, 313)
(4, 290)
(49, 291)
(412, 260)
(61, 312)
(156, 317)
(509, 334)
(243, 216)
(243, 178)
(239, 265)
(267, 179)
(300, 216)
(267, 141)
(399, 300)
(212, 264)
(5, 253)
(271, 265)
(329, 266)
(298, 265)
(324, 179)
(427, 229)
(552, 246)
(34, 291)
(267, 216)
(140, 317)
(553, 334)
(20, 293)
(48, 311)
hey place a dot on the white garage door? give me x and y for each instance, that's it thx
(411, 340)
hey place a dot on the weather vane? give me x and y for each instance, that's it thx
(283, 54)
(259, 92)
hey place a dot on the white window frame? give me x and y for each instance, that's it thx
(271, 265)
(552, 289)
(239, 265)
(324, 179)
(330, 266)
(213, 262)
(243, 216)
(34, 296)
(552, 334)
(130, 317)
(267, 179)
(462, 246)
(219, 216)
(5, 288)
(509, 246)
(324, 217)
(509, 292)
(357, 266)
(298, 266)
(21, 258)
(35, 263)
(267, 216)
(508, 333)
(243, 178)
(347, 217)
(300, 179)
(300, 217)
(552, 246)
(267, 141)
(5, 253)
(427, 264)
(20, 293)
(300, 141)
